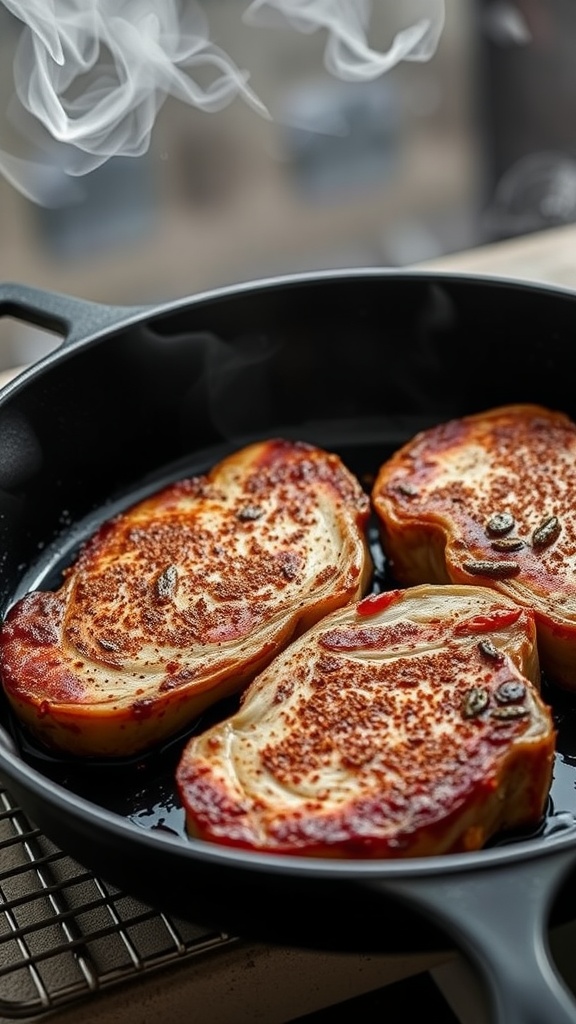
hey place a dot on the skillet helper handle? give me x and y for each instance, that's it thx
(75, 319)
(499, 921)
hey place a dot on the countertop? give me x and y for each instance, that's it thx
(546, 256)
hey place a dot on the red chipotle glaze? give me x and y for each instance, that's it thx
(414, 731)
(489, 499)
(179, 601)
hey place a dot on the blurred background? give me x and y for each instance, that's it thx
(473, 144)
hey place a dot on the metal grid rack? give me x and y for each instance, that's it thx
(64, 933)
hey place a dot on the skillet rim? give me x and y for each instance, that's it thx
(128, 316)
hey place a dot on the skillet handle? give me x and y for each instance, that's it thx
(499, 919)
(75, 319)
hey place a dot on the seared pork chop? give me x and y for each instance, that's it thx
(410, 724)
(182, 599)
(490, 499)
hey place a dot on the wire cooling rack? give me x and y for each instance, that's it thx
(64, 933)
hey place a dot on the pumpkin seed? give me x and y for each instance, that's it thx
(509, 712)
(250, 513)
(108, 645)
(165, 585)
(510, 692)
(501, 522)
(408, 489)
(475, 702)
(547, 532)
(507, 544)
(490, 651)
(495, 569)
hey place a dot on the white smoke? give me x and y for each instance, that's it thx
(347, 54)
(90, 76)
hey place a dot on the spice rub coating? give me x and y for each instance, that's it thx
(489, 499)
(408, 725)
(182, 599)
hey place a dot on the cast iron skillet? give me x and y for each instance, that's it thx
(356, 361)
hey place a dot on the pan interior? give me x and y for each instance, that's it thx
(141, 790)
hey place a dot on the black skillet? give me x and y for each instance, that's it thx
(355, 361)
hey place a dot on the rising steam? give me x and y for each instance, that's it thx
(347, 54)
(90, 76)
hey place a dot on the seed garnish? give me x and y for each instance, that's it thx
(512, 691)
(495, 569)
(490, 651)
(547, 532)
(507, 544)
(165, 585)
(108, 645)
(509, 712)
(501, 522)
(249, 513)
(475, 702)
(406, 488)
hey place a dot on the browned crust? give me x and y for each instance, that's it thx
(182, 599)
(410, 725)
(489, 499)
